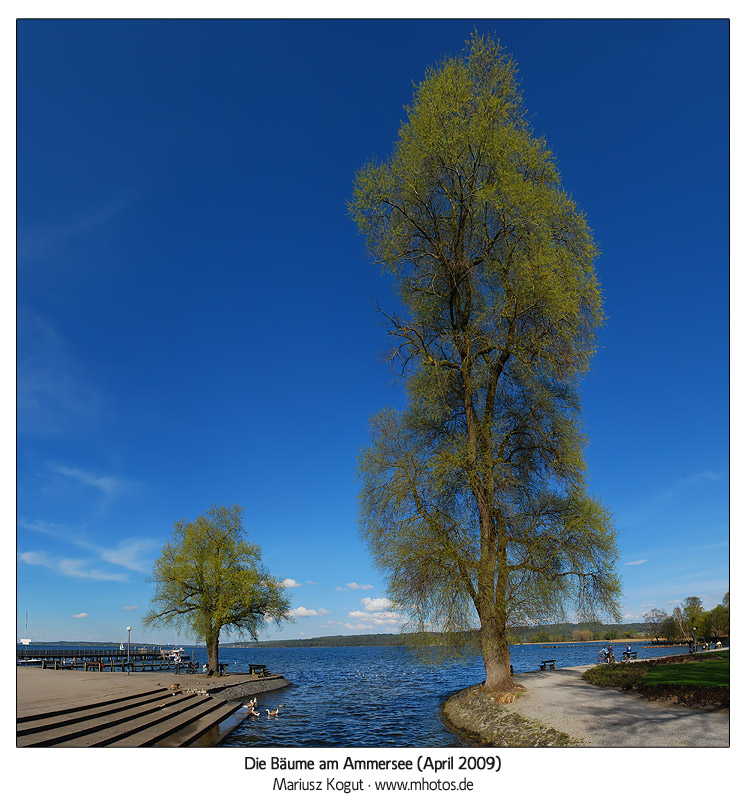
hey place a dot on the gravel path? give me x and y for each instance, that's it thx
(603, 717)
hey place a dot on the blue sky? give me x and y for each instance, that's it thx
(195, 310)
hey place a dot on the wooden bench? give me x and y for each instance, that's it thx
(551, 662)
(258, 669)
(628, 655)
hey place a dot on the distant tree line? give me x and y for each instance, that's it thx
(690, 615)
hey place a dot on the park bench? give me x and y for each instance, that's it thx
(629, 655)
(258, 669)
(551, 662)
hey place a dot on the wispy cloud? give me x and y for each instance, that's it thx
(80, 616)
(635, 563)
(71, 567)
(354, 587)
(130, 608)
(129, 553)
(55, 395)
(109, 485)
(44, 240)
(705, 476)
(301, 611)
(694, 479)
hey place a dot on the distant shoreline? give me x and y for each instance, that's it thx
(395, 640)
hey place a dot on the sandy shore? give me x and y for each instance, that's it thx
(595, 716)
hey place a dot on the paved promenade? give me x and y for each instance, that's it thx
(604, 717)
(48, 688)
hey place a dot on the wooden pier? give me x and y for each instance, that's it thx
(140, 660)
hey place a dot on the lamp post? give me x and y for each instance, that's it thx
(129, 666)
(694, 634)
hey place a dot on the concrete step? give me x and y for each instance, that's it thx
(172, 715)
(191, 725)
(75, 728)
(53, 710)
(69, 716)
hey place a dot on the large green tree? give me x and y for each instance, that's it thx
(474, 501)
(210, 578)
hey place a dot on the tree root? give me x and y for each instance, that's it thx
(508, 696)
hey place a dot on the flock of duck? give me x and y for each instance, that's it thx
(175, 689)
(254, 711)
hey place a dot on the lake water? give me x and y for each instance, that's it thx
(373, 696)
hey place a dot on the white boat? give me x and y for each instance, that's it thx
(173, 654)
(27, 662)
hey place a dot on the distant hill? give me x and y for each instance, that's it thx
(558, 632)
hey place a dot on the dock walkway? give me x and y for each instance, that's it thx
(92, 709)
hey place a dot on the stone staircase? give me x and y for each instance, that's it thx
(151, 718)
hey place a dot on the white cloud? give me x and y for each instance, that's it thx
(289, 583)
(377, 604)
(108, 484)
(80, 616)
(127, 553)
(301, 611)
(635, 563)
(390, 620)
(129, 608)
(73, 568)
(354, 586)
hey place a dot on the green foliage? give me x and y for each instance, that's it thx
(474, 502)
(625, 675)
(210, 578)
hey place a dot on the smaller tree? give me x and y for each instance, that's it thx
(654, 620)
(689, 616)
(668, 629)
(210, 578)
(720, 617)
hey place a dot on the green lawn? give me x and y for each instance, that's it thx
(709, 672)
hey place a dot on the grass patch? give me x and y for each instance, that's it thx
(702, 681)
(711, 672)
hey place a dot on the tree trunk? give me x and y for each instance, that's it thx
(496, 655)
(212, 653)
